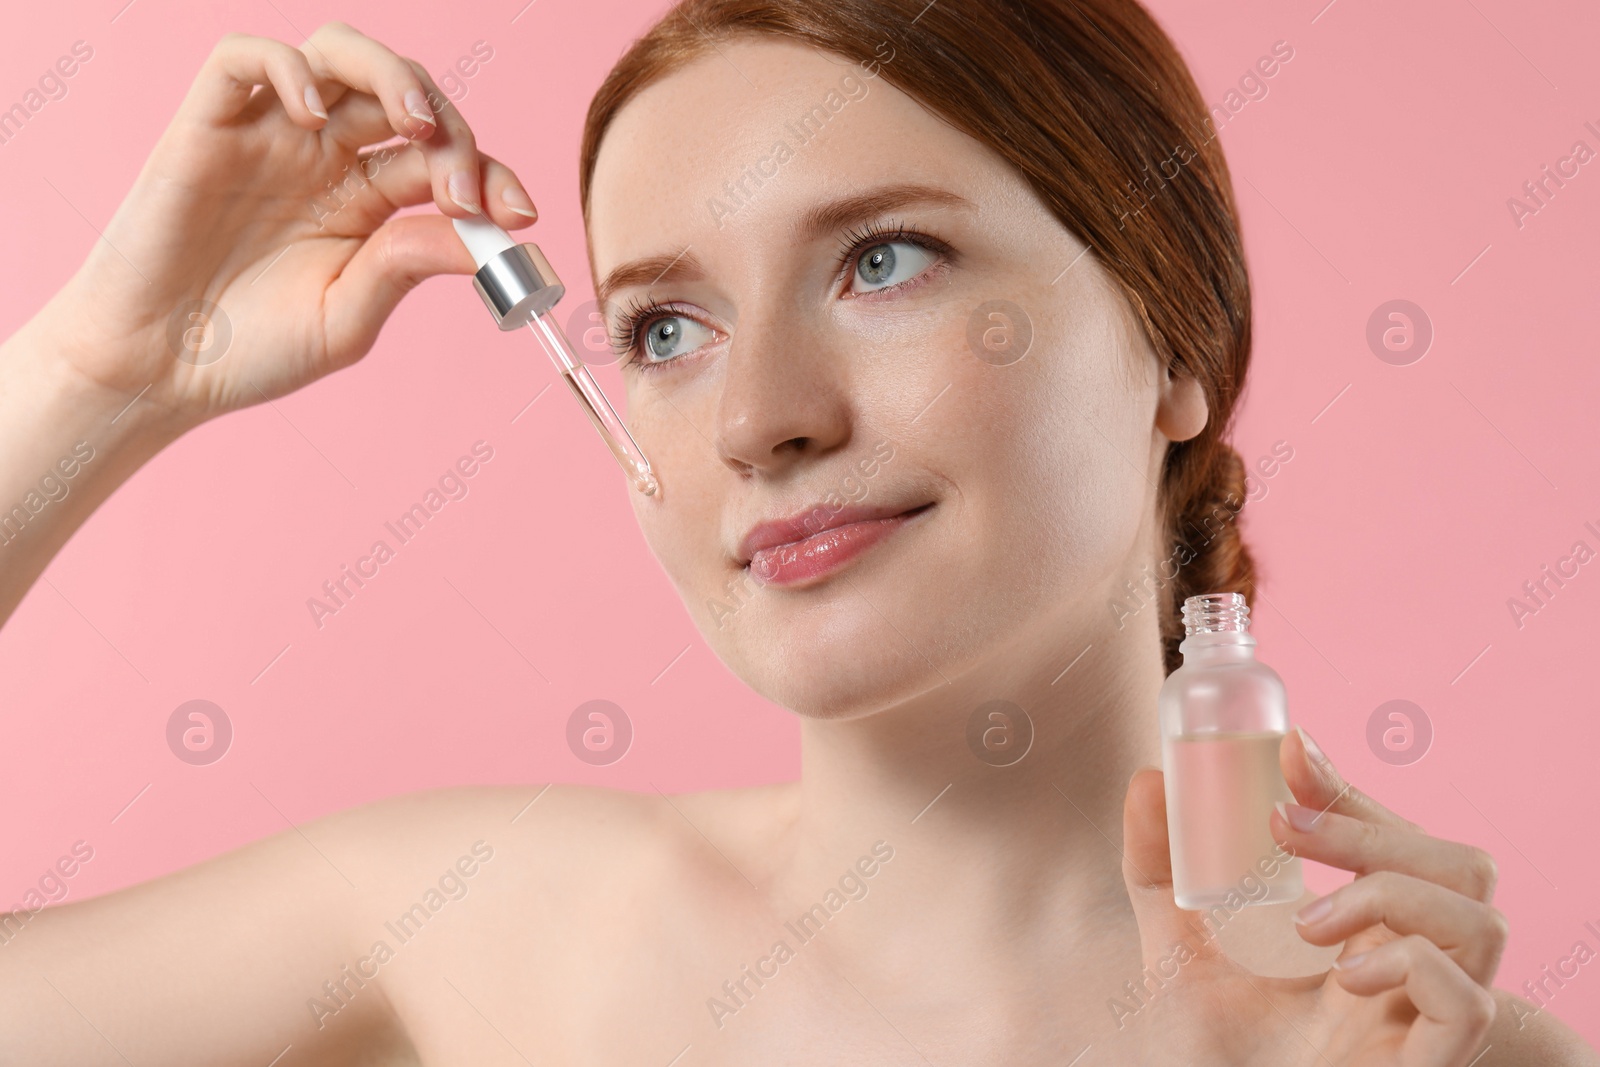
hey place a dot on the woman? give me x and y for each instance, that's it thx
(903, 299)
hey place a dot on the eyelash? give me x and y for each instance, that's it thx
(638, 313)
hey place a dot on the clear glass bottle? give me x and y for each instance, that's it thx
(1223, 714)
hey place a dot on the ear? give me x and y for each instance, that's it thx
(1181, 412)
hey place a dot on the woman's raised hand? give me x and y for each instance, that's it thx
(257, 250)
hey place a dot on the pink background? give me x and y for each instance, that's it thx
(1377, 167)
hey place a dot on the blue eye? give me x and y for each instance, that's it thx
(667, 335)
(652, 335)
(889, 264)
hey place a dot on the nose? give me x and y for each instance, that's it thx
(784, 397)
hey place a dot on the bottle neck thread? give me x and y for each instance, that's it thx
(1216, 613)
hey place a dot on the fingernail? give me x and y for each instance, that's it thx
(1302, 819)
(1312, 748)
(1350, 963)
(518, 201)
(1315, 911)
(463, 190)
(417, 106)
(314, 102)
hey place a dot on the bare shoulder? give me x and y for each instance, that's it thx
(516, 831)
(557, 905)
(1525, 1036)
(570, 851)
(581, 824)
(366, 927)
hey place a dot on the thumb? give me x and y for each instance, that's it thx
(1167, 933)
(396, 258)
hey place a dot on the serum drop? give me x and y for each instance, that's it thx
(1223, 714)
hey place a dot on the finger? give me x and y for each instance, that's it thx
(395, 259)
(383, 180)
(360, 119)
(1468, 931)
(347, 59)
(505, 197)
(1168, 934)
(1316, 783)
(452, 153)
(404, 177)
(1353, 844)
(336, 50)
(1456, 1012)
(239, 63)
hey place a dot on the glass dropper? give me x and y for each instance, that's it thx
(520, 288)
(587, 390)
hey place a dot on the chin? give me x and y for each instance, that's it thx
(834, 656)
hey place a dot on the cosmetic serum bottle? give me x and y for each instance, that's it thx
(1223, 714)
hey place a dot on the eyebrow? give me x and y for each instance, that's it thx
(818, 221)
(837, 214)
(683, 265)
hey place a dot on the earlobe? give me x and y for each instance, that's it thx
(1181, 413)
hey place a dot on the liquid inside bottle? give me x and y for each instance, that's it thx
(1223, 715)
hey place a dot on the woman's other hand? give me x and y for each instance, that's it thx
(1412, 986)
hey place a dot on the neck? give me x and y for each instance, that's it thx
(1026, 855)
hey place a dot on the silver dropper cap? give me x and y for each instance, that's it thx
(516, 284)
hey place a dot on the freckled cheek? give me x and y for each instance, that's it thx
(1038, 481)
(683, 528)
(931, 338)
(688, 545)
(671, 431)
(911, 378)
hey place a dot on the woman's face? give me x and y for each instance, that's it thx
(951, 349)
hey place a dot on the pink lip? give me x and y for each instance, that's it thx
(815, 543)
